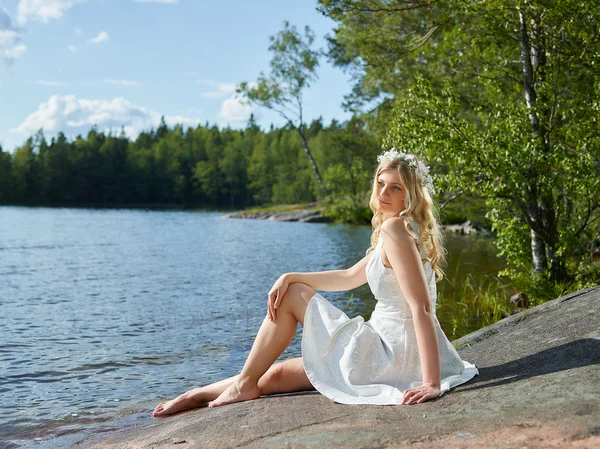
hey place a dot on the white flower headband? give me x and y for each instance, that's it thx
(411, 160)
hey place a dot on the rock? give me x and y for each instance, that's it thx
(538, 387)
(467, 228)
(306, 215)
(519, 299)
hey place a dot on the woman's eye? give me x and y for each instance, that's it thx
(396, 188)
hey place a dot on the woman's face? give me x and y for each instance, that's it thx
(390, 193)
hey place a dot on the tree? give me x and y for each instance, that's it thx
(54, 169)
(5, 177)
(25, 173)
(383, 44)
(528, 138)
(293, 69)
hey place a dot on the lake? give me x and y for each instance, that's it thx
(105, 313)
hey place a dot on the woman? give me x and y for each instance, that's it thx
(400, 356)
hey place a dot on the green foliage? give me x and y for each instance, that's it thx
(483, 300)
(293, 69)
(540, 287)
(348, 210)
(5, 177)
(502, 98)
(205, 166)
(466, 208)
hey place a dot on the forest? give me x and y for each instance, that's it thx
(196, 167)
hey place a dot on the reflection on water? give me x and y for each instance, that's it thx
(107, 312)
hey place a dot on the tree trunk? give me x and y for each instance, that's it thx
(558, 271)
(300, 130)
(530, 62)
(538, 252)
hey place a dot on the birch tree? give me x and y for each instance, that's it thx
(293, 69)
(504, 97)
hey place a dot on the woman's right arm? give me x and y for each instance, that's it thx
(329, 281)
(333, 280)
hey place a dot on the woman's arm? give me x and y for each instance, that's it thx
(333, 280)
(406, 261)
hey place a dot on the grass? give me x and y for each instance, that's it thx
(467, 303)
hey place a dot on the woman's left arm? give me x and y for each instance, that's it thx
(406, 261)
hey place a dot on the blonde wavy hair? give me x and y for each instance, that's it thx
(419, 207)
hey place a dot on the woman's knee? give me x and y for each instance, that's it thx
(285, 377)
(269, 381)
(300, 290)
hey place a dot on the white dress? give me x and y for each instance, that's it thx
(351, 361)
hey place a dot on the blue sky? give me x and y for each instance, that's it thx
(66, 65)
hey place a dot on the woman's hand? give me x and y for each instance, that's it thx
(276, 295)
(420, 394)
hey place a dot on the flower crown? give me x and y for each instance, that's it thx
(413, 163)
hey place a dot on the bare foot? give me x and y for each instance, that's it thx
(188, 400)
(237, 392)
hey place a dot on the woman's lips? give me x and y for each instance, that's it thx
(382, 202)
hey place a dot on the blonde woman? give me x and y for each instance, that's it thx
(400, 356)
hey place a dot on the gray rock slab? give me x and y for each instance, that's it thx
(538, 387)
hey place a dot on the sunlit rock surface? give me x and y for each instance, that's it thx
(539, 387)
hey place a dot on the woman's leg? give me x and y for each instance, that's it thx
(272, 339)
(285, 377)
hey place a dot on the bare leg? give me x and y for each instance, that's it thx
(198, 397)
(284, 377)
(272, 339)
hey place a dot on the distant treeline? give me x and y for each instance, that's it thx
(204, 166)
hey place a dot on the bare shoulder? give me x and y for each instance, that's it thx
(394, 229)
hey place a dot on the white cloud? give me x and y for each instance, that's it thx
(166, 2)
(44, 10)
(102, 37)
(11, 46)
(14, 52)
(73, 116)
(234, 110)
(223, 89)
(7, 36)
(125, 83)
(51, 83)
(78, 31)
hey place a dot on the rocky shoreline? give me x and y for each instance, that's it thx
(315, 216)
(538, 387)
(306, 215)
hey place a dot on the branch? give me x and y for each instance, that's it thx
(453, 197)
(589, 214)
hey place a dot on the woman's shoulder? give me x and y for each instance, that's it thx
(394, 227)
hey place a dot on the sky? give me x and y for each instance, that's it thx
(67, 65)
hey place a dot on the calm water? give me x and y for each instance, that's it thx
(104, 313)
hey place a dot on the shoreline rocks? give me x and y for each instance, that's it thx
(314, 216)
(467, 228)
(306, 215)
